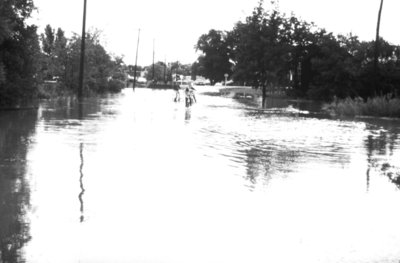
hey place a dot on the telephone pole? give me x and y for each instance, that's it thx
(82, 61)
(137, 48)
(153, 58)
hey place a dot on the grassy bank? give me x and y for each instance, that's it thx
(382, 106)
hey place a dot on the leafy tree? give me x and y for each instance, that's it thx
(49, 59)
(302, 44)
(270, 50)
(180, 69)
(48, 40)
(160, 72)
(332, 73)
(99, 66)
(259, 50)
(215, 60)
(197, 68)
(19, 49)
(60, 55)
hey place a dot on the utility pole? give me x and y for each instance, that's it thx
(137, 48)
(82, 61)
(153, 59)
(165, 69)
(376, 50)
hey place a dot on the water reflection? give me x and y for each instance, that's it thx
(16, 131)
(281, 143)
(168, 191)
(380, 146)
(82, 217)
(70, 111)
(80, 196)
(264, 163)
(188, 114)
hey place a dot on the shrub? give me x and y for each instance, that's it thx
(382, 106)
(115, 85)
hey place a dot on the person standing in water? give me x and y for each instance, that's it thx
(189, 95)
(177, 94)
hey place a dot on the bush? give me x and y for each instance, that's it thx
(115, 85)
(382, 106)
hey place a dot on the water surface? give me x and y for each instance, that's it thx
(135, 177)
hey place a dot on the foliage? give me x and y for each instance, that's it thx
(180, 69)
(271, 50)
(386, 106)
(61, 62)
(259, 49)
(197, 68)
(215, 61)
(54, 55)
(160, 72)
(19, 49)
(163, 72)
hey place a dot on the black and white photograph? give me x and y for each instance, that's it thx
(213, 131)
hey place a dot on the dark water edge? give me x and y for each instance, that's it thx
(16, 129)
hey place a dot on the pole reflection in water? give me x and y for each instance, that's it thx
(82, 217)
(80, 196)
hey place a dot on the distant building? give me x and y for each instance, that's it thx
(200, 80)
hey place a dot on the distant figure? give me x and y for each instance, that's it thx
(189, 95)
(177, 94)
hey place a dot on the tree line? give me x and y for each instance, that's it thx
(29, 61)
(271, 50)
(162, 72)
(60, 57)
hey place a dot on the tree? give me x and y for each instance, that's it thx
(48, 63)
(48, 40)
(158, 74)
(99, 67)
(269, 50)
(215, 60)
(19, 49)
(60, 55)
(197, 68)
(259, 50)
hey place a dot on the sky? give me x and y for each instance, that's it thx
(174, 26)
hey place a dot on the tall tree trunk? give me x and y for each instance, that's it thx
(264, 96)
(376, 53)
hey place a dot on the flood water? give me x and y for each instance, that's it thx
(135, 177)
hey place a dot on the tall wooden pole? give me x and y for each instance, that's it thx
(137, 49)
(82, 62)
(165, 69)
(376, 52)
(153, 59)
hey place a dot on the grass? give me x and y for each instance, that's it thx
(382, 106)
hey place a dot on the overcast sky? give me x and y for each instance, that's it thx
(176, 25)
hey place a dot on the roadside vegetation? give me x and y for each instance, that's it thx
(273, 51)
(381, 106)
(269, 50)
(59, 65)
(46, 65)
